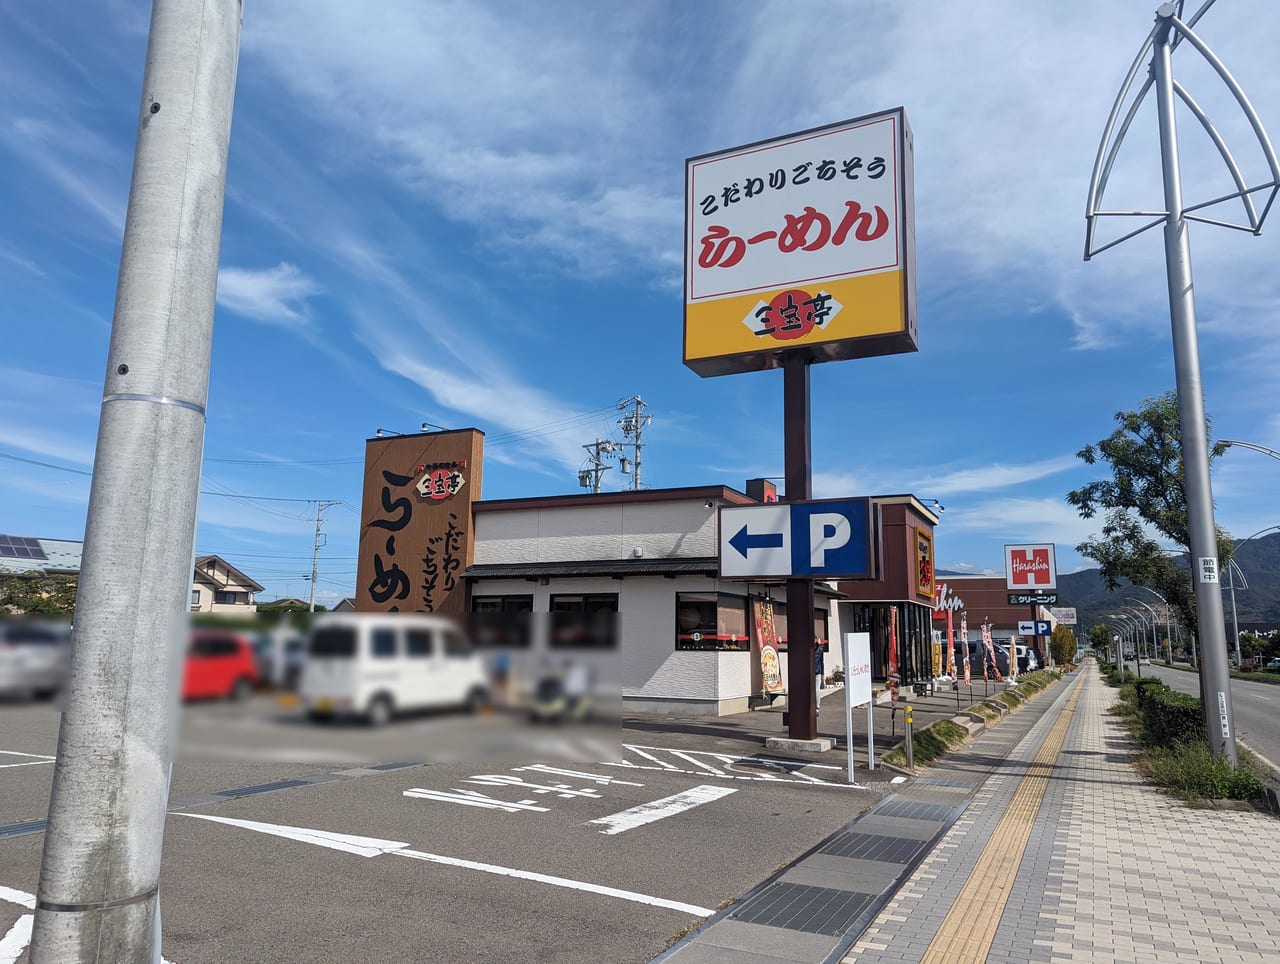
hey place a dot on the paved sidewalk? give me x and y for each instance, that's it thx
(1037, 841)
(1113, 870)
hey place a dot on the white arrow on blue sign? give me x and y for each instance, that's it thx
(827, 538)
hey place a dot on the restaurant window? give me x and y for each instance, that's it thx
(711, 621)
(501, 622)
(584, 621)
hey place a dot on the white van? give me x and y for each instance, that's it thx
(374, 665)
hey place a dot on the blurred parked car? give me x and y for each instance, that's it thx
(219, 665)
(1273, 664)
(978, 656)
(376, 665)
(279, 654)
(35, 657)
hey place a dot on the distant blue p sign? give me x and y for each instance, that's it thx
(828, 539)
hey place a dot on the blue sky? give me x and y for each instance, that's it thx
(471, 214)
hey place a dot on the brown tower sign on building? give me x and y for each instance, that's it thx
(415, 521)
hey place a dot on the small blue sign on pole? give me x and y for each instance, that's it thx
(827, 539)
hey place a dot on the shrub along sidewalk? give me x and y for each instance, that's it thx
(942, 736)
(1175, 753)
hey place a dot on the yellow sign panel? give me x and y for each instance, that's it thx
(805, 241)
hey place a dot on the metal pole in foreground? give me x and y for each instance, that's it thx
(802, 722)
(1214, 673)
(97, 898)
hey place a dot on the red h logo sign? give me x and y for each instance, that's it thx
(1030, 567)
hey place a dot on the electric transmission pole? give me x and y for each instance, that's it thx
(589, 478)
(633, 424)
(315, 552)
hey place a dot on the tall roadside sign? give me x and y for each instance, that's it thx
(1032, 570)
(801, 249)
(804, 241)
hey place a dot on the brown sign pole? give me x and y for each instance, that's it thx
(802, 721)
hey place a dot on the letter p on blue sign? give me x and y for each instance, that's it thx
(833, 538)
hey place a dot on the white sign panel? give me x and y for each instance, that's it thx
(801, 241)
(1208, 569)
(1031, 567)
(857, 671)
(1026, 628)
(1065, 615)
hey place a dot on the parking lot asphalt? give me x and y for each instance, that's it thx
(455, 837)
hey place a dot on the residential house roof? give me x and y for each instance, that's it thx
(206, 567)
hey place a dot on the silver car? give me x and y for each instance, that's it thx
(35, 657)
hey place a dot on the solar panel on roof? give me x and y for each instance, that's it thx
(20, 547)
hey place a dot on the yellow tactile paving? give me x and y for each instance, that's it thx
(970, 926)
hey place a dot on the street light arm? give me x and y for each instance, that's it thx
(1250, 445)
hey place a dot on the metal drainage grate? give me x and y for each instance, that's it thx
(914, 810)
(870, 846)
(263, 788)
(802, 907)
(19, 829)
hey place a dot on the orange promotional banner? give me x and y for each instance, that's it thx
(767, 636)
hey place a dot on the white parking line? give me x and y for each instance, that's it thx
(34, 759)
(21, 898)
(373, 847)
(18, 939)
(15, 942)
(660, 809)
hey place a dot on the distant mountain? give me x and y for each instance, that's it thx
(1259, 560)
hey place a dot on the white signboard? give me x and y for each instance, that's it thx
(1031, 568)
(1026, 628)
(857, 671)
(1208, 569)
(803, 240)
(1065, 615)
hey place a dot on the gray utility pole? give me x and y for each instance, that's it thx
(97, 899)
(315, 552)
(633, 424)
(1168, 32)
(589, 478)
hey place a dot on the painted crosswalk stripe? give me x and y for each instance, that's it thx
(660, 809)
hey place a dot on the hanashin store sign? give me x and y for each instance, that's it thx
(1030, 567)
(415, 522)
(804, 241)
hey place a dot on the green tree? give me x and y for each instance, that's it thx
(1062, 645)
(1145, 493)
(1100, 638)
(38, 594)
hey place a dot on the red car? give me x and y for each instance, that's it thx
(219, 665)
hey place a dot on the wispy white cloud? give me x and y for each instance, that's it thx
(46, 442)
(77, 160)
(1019, 520)
(987, 478)
(274, 295)
(493, 396)
(9, 254)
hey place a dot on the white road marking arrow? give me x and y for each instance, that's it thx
(660, 809)
(373, 847)
(347, 843)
